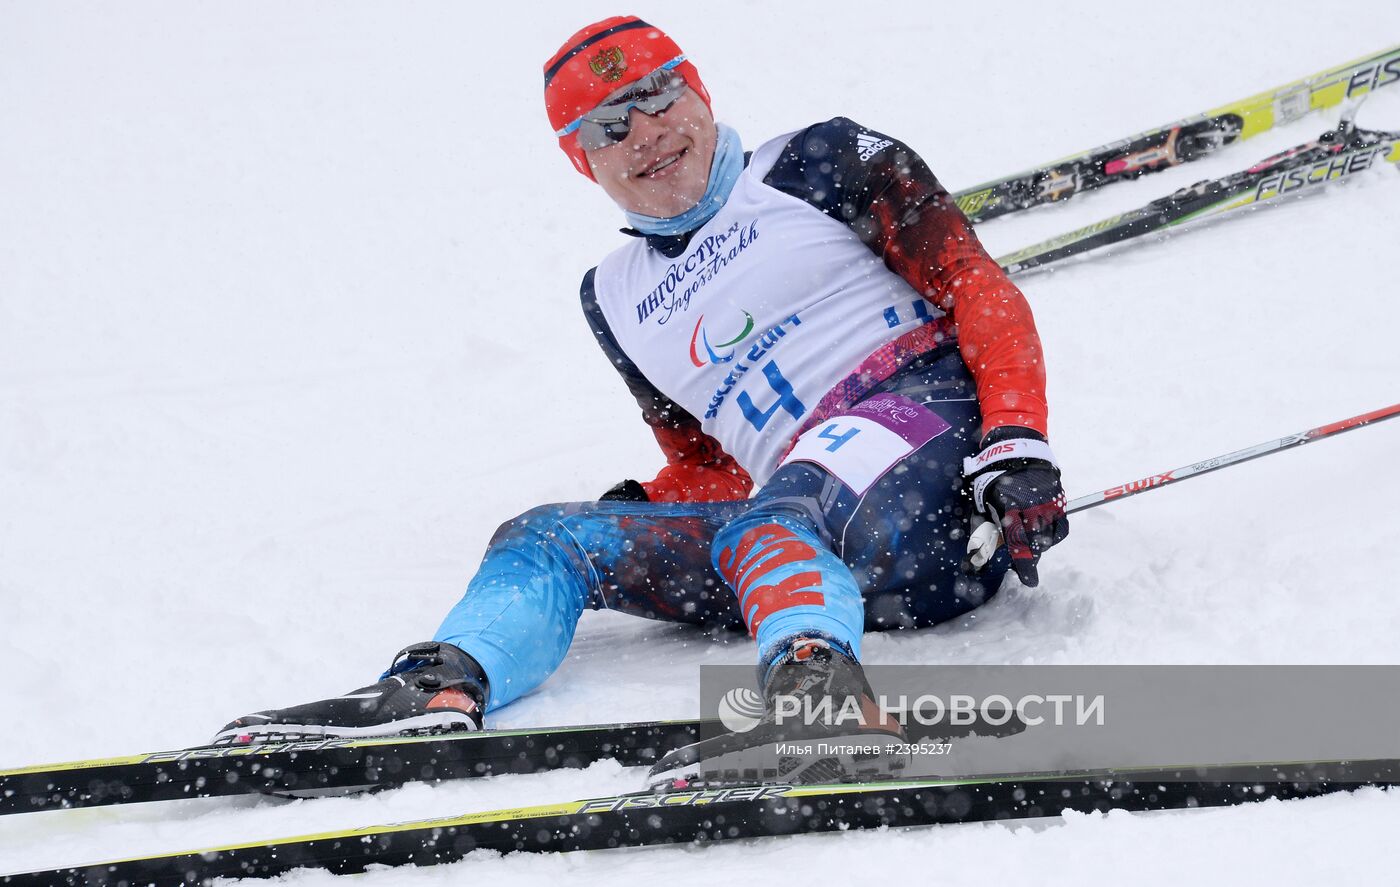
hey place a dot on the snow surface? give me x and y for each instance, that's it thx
(288, 325)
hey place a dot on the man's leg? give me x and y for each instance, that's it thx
(874, 540)
(788, 582)
(820, 544)
(514, 625)
(543, 569)
(804, 609)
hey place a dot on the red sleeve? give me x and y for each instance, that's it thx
(885, 192)
(933, 247)
(697, 468)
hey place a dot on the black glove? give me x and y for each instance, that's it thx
(1015, 486)
(625, 491)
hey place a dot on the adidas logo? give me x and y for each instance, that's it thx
(870, 145)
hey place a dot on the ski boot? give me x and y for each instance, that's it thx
(429, 688)
(838, 734)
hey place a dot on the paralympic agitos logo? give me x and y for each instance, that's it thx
(701, 339)
(708, 256)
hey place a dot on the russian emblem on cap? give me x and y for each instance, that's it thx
(591, 65)
(609, 64)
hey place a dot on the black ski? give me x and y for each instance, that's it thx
(342, 766)
(1181, 142)
(333, 765)
(700, 816)
(1333, 157)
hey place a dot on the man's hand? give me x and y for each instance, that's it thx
(1015, 487)
(625, 491)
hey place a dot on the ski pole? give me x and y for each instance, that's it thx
(1157, 481)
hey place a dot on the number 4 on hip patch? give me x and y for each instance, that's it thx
(859, 445)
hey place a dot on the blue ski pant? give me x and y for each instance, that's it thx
(807, 555)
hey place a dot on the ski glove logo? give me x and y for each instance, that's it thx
(1015, 487)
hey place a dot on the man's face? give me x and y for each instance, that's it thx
(662, 167)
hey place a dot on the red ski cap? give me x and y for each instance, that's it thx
(599, 60)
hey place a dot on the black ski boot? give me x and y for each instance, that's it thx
(838, 733)
(430, 688)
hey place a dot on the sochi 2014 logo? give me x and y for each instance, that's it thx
(701, 339)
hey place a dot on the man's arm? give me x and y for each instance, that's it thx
(886, 193)
(697, 467)
(890, 198)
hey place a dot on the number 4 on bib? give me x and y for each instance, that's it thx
(787, 400)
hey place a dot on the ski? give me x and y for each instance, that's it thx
(333, 765)
(344, 766)
(1335, 156)
(696, 816)
(1181, 142)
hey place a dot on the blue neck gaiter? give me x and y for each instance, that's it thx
(724, 172)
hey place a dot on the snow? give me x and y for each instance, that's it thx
(288, 325)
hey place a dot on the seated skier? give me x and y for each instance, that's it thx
(815, 319)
